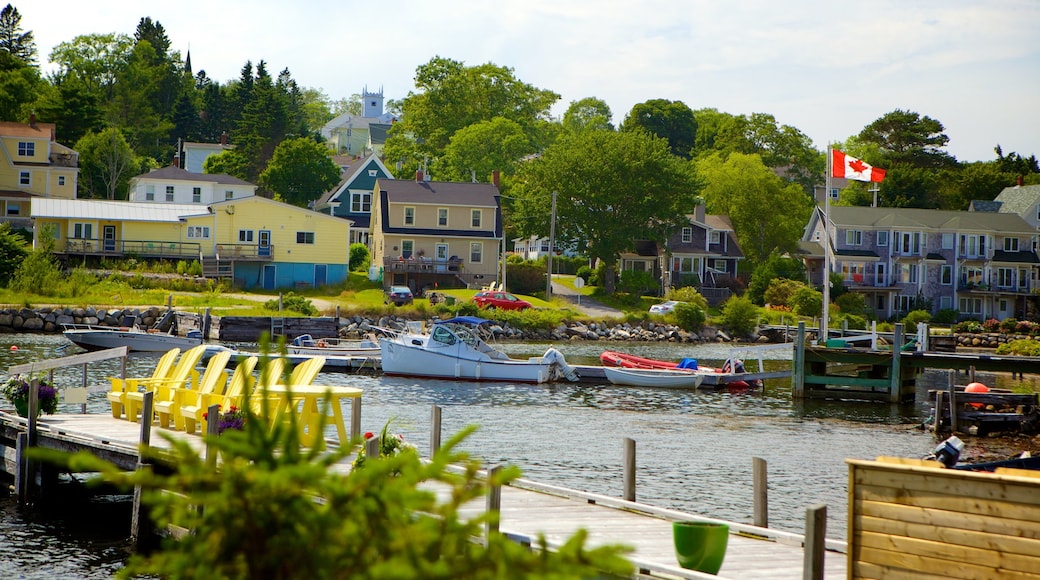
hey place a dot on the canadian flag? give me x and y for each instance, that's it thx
(849, 167)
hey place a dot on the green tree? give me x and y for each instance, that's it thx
(69, 105)
(671, 120)
(263, 123)
(905, 137)
(19, 83)
(589, 113)
(767, 212)
(740, 316)
(106, 164)
(315, 108)
(12, 40)
(227, 162)
(300, 171)
(94, 61)
(38, 272)
(13, 251)
(475, 151)
(773, 268)
(613, 188)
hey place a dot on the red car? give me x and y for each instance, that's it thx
(503, 300)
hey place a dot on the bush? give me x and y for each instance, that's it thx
(690, 317)
(946, 316)
(772, 268)
(968, 327)
(585, 273)
(1020, 347)
(525, 277)
(852, 303)
(360, 260)
(639, 283)
(1026, 327)
(991, 325)
(807, 302)
(295, 303)
(598, 274)
(852, 321)
(688, 294)
(1008, 325)
(740, 316)
(914, 317)
(780, 291)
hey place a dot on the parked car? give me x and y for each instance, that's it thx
(398, 295)
(503, 300)
(664, 307)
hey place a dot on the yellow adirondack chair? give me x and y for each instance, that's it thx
(305, 372)
(194, 410)
(212, 380)
(163, 388)
(120, 386)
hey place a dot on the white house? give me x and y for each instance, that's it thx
(175, 185)
(360, 134)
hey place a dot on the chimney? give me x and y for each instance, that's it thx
(418, 176)
(32, 119)
(698, 213)
(495, 177)
(223, 139)
(1020, 181)
(177, 161)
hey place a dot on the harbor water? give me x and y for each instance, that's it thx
(694, 449)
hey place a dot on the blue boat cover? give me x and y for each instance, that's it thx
(474, 320)
(688, 363)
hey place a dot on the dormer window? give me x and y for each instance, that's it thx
(26, 149)
(687, 235)
(1010, 244)
(716, 237)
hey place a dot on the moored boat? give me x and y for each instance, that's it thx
(454, 349)
(733, 367)
(306, 344)
(93, 337)
(664, 378)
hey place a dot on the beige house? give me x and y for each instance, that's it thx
(428, 233)
(33, 164)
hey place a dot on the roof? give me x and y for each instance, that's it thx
(112, 210)
(807, 248)
(440, 192)
(856, 253)
(38, 130)
(351, 169)
(176, 173)
(1015, 257)
(983, 205)
(718, 222)
(1018, 199)
(914, 218)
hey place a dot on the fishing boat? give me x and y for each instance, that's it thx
(458, 349)
(93, 337)
(306, 344)
(729, 372)
(664, 378)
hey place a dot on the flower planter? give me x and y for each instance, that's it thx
(700, 546)
(22, 407)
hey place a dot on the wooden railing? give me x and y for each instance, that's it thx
(423, 265)
(244, 252)
(143, 248)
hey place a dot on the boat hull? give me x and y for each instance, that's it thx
(661, 378)
(136, 340)
(448, 363)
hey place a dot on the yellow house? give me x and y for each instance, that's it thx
(33, 164)
(254, 241)
(430, 233)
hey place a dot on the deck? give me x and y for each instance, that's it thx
(527, 508)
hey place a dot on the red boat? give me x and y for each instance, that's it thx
(612, 358)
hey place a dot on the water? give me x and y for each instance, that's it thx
(694, 449)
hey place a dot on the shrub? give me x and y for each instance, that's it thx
(991, 325)
(688, 294)
(968, 326)
(853, 321)
(914, 317)
(1008, 325)
(780, 291)
(852, 303)
(639, 283)
(360, 259)
(946, 316)
(1026, 327)
(293, 302)
(599, 274)
(1020, 347)
(13, 251)
(740, 316)
(585, 273)
(772, 268)
(690, 317)
(807, 302)
(525, 277)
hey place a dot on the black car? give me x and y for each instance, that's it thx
(398, 295)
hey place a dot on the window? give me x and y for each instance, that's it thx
(196, 195)
(304, 237)
(971, 277)
(853, 271)
(904, 303)
(1010, 244)
(909, 243)
(442, 217)
(61, 180)
(245, 236)
(228, 194)
(409, 216)
(715, 238)
(169, 193)
(687, 235)
(13, 208)
(973, 246)
(686, 265)
(544, 247)
(853, 238)
(881, 302)
(198, 232)
(947, 241)
(407, 247)
(946, 275)
(476, 252)
(1023, 279)
(835, 192)
(879, 275)
(362, 203)
(971, 305)
(908, 273)
(26, 149)
(475, 218)
(946, 302)
(1005, 277)
(882, 238)
(24, 178)
(718, 265)
(149, 193)
(83, 231)
(372, 172)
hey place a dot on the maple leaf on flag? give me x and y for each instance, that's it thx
(858, 166)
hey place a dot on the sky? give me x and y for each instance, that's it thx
(825, 68)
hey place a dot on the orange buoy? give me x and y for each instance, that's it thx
(976, 388)
(14, 347)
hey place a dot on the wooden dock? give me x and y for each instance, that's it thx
(527, 508)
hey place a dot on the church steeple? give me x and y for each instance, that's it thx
(371, 103)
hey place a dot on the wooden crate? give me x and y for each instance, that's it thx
(914, 519)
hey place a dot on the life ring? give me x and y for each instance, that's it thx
(321, 343)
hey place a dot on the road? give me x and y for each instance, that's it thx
(586, 305)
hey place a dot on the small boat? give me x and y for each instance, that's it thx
(306, 344)
(457, 349)
(666, 378)
(333, 362)
(732, 367)
(93, 337)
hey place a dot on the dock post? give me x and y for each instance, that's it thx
(971, 374)
(355, 418)
(815, 538)
(895, 375)
(212, 425)
(435, 429)
(937, 420)
(761, 491)
(140, 525)
(629, 478)
(21, 468)
(494, 502)
(206, 322)
(953, 403)
(798, 373)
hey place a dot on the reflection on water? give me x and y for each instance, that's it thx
(694, 448)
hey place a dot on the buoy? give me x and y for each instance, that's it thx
(14, 347)
(976, 388)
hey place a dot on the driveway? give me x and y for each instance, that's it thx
(586, 306)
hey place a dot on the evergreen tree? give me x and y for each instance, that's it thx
(13, 40)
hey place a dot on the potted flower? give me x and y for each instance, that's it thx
(16, 389)
(390, 444)
(234, 418)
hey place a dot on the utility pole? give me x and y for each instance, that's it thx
(552, 243)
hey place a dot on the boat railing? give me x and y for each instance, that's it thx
(73, 326)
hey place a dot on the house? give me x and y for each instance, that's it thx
(352, 197)
(252, 241)
(982, 264)
(432, 233)
(703, 254)
(193, 155)
(360, 134)
(1021, 200)
(33, 164)
(175, 185)
(534, 247)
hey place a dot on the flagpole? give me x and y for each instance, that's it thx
(824, 319)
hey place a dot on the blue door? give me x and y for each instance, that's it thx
(264, 246)
(269, 279)
(321, 274)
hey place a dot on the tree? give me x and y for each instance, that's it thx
(12, 40)
(263, 123)
(227, 162)
(589, 113)
(106, 164)
(767, 213)
(300, 171)
(18, 86)
(475, 151)
(905, 137)
(774, 267)
(614, 188)
(670, 120)
(94, 60)
(13, 251)
(70, 106)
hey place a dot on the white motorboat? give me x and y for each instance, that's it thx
(666, 378)
(453, 349)
(93, 337)
(306, 344)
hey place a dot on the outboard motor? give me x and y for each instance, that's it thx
(559, 365)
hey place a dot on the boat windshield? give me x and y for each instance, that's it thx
(466, 335)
